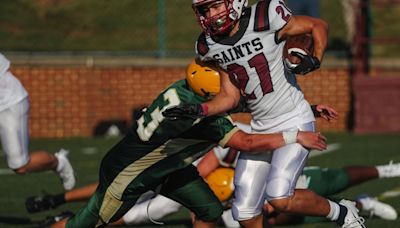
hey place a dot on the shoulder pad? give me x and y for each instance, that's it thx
(261, 20)
(201, 45)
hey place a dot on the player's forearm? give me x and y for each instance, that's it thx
(253, 143)
(320, 37)
(266, 142)
(208, 164)
(227, 99)
(263, 142)
(220, 104)
(305, 24)
(81, 194)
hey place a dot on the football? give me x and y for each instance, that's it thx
(300, 43)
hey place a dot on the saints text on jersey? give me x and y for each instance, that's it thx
(239, 51)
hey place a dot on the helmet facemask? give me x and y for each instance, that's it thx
(221, 23)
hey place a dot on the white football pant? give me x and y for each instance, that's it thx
(14, 134)
(267, 176)
(155, 208)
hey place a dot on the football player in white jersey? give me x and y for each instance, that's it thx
(14, 114)
(246, 44)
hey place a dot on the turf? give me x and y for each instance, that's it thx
(86, 154)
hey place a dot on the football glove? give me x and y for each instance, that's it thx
(307, 63)
(193, 111)
(315, 111)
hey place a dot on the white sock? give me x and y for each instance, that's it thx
(60, 163)
(389, 170)
(381, 170)
(365, 203)
(334, 211)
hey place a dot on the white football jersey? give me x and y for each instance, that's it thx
(253, 60)
(11, 89)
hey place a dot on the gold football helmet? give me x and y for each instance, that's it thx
(221, 183)
(202, 79)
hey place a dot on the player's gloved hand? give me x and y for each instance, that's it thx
(193, 111)
(307, 63)
(326, 112)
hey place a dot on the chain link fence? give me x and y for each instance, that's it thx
(154, 28)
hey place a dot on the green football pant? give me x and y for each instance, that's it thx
(184, 186)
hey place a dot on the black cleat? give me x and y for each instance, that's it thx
(50, 220)
(35, 204)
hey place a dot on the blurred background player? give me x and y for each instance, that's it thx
(14, 115)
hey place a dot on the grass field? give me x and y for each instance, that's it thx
(87, 152)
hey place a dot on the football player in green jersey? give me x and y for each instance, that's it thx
(158, 152)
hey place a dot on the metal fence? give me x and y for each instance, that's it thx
(155, 28)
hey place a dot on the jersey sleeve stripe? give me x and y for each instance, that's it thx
(227, 137)
(202, 47)
(261, 16)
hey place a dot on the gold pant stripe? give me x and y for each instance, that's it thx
(109, 207)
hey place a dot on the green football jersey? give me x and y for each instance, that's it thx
(157, 154)
(158, 146)
(154, 128)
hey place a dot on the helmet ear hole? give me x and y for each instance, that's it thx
(206, 94)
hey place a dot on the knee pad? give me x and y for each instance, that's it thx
(278, 188)
(152, 209)
(244, 213)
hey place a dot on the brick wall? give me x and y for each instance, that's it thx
(377, 105)
(71, 101)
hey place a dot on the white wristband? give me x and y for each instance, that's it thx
(290, 136)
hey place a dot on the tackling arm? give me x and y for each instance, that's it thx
(264, 142)
(208, 164)
(227, 99)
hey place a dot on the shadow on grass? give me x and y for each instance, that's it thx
(11, 220)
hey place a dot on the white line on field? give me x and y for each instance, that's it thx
(6, 171)
(330, 148)
(89, 150)
(390, 194)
